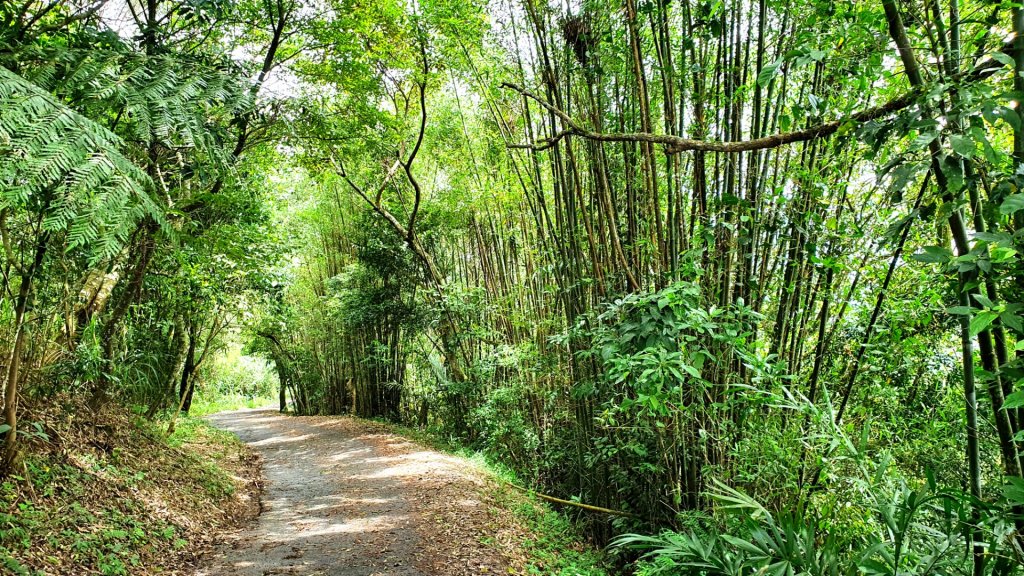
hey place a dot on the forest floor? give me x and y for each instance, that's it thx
(347, 497)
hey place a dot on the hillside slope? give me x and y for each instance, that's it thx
(112, 495)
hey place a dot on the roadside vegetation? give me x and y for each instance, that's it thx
(234, 380)
(115, 496)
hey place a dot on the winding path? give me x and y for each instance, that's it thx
(346, 498)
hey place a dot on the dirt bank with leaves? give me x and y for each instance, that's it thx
(111, 494)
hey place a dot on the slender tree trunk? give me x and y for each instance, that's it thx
(13, 376)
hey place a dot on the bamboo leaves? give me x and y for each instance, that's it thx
(768, 73)
(933, 255)
(1012, 204)
(963, 145)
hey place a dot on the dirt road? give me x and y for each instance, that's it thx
(345, 498)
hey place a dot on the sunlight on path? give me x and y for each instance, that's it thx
(334, 505)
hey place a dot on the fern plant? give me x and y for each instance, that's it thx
(178, 106)
(67, 172)
(61, 174)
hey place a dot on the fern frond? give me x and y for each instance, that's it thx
(68, 170)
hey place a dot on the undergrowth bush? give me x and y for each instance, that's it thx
(873, 521)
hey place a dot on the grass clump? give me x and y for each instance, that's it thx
(556, 547)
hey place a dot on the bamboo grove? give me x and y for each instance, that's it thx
(746, 271)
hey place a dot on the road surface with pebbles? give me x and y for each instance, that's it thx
(344, 497)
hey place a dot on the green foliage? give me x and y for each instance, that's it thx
(234, 380)
(900, 530)
(68, 171)
(660, 408)
(513, 224)
(502, 430)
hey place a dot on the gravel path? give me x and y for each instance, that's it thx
(345, 498)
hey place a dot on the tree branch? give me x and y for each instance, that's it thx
(417, 192)
(6, 240)
(677, 144)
